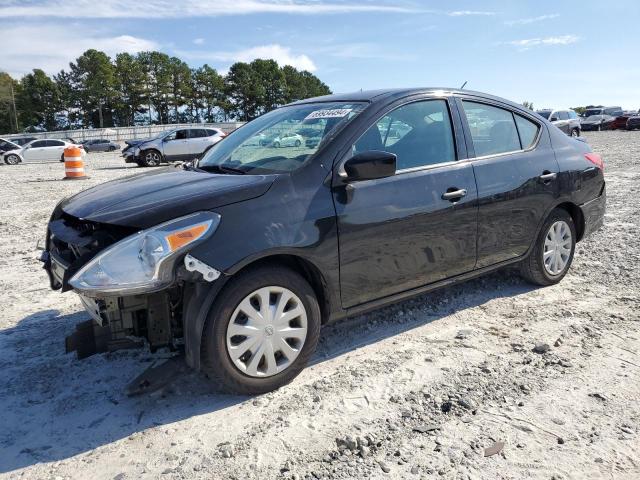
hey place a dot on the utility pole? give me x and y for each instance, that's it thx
(15, 112)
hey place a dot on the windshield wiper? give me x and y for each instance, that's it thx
(222, 169)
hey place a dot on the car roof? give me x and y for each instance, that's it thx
(373, 96)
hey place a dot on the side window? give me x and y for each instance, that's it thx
(572, 114)
(528, 131)
(55, 143)
(418, 133)
(182, 134)
(39, 144)
(493, 130)
(197, 133)
(563, 115)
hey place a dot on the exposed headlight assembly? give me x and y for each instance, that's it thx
(144, 262)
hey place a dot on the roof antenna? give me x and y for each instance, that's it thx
(463, 85)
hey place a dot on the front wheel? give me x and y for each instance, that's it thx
(575, 132)
(298, 143)
(151, 158)
(12, 160)
(261, 331)
(553, 251)
(599, 128)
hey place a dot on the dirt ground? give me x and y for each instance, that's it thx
(417, 390)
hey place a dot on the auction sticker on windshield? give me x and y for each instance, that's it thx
(333, 113)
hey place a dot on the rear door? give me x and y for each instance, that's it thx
(404, 231)
(198, 141)
(516, 174)
(54, 150)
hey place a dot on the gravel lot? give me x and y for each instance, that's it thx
(418, 390)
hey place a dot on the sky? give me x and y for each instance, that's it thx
(555, 54)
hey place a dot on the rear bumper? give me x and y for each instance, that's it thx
(594, 211)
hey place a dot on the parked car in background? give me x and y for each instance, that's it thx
(45, 150)
(183, 144)
(633, 122)
(566, 120)
(23, 140)
(6, 145)
(100, 145)
(620, 122)
(288, 140)
(240, 257)
(612, 111)
(597, 122)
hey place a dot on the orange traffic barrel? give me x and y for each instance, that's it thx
(73, 164)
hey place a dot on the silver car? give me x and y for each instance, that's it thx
(100, 145)
(175, 145)
(566, 120)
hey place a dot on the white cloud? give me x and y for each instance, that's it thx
(51, 48)
(186, 8)
(282, 55)
(527, 21)
(198, 41)
(547, 41)
(465, 13)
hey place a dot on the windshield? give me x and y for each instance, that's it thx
(544, 113)
(594, 117)
(280, 141)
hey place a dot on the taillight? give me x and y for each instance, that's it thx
(222, 134)
(595, 159)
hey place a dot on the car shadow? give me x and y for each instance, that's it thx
(55, 407)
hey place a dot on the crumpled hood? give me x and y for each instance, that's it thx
(138, 141)
(145, 200)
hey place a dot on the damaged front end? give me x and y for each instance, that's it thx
(131, 282)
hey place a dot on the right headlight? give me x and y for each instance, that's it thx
(144, 262)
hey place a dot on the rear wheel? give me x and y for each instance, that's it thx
(151, 158)
(276, 144)
(12, 159)
(298, 143)
(261, 331)
(553, 251)
(575, 132)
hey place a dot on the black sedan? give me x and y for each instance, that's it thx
(597, 122)
(633, 122)
(240, 258)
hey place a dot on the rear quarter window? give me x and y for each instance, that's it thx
(527, 130)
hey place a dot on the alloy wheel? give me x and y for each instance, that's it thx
(557, 248)
(152, 159)
(12, 159)
(267, 331)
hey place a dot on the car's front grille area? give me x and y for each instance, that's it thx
(72, 241)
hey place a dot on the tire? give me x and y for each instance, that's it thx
(12, 159)
(151, 158)
(276, 144)
(298, 143)
(226, 311)
(62, 158)
(599, 129)
(533, 268)
(575, 132)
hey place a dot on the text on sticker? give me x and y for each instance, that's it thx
(334, 113)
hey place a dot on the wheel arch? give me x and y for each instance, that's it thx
(200, 297)
(576, 215)
(301, 265)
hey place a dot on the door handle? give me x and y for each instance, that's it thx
(452, 195)
(548, 176)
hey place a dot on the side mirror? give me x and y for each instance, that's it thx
(370, 165)
(553, 119)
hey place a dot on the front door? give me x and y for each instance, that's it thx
(175, 146)
(416, 227)
(35, 151)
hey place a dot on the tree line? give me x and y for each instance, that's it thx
(149, 87)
